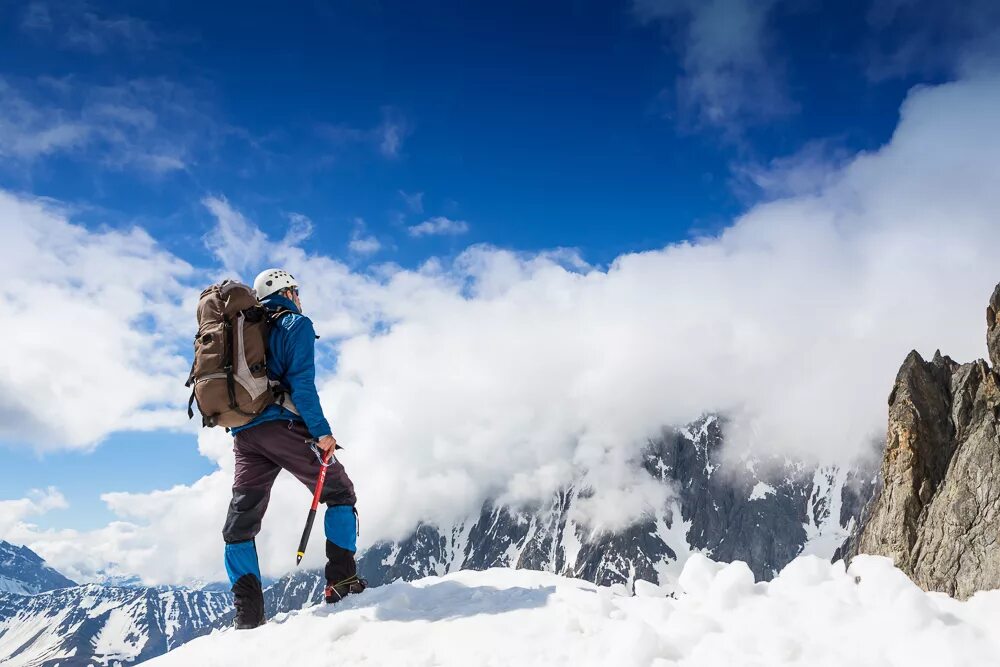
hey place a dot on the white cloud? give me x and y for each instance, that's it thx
(14, 512)
(506, 374)
(730, 74)
(80, 362)
(362, 243)
(165, 536)
(439, 226)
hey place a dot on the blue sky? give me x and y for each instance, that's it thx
(540, 128)
(584, 125)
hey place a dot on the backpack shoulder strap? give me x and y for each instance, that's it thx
(274, 316)
(277, 388)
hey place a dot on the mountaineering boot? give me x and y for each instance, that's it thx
(338, 590)
(248, 598)
(341, 573)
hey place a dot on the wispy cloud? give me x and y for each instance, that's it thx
(414, 201)
(29, 129)
(439, 226)
(300, 228)
(153, 125)
(391, 133)
(929, 37)
(806, 171)
(386, 138)
(731, 76)
(79, 26)
(238, 245)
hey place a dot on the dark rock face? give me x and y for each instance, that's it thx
(24, 571)
(937, 511)
(730, 511)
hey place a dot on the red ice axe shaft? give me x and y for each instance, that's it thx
(320, 479)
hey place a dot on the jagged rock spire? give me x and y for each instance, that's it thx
(937, 513)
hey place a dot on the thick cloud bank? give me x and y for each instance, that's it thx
(86, 318)
(506, 374)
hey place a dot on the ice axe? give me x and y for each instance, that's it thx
(324, 463)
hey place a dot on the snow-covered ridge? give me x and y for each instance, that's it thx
(105, 625)
(813, 613)
(96, 624)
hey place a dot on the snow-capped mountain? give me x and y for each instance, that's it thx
(24, 571)
(120, 625)
(764, 513)
(102, 625)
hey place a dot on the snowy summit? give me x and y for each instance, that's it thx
(813, 613)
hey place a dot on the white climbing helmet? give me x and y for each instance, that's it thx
(270, 281)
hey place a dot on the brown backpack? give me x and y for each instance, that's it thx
(229, 375)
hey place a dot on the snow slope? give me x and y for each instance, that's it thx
(813, 613)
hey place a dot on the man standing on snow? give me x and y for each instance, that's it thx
(278, 439)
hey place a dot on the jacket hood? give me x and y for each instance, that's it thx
(276, 302)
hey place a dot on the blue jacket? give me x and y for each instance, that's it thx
(292, 362)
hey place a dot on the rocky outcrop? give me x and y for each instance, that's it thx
(936, 512)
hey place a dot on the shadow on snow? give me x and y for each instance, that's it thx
(405, 602)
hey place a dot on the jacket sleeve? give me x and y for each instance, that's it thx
(301, 376)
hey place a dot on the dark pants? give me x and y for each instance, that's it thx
(261, 453)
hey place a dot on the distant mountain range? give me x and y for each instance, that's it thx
(96, 624)
(739, 512)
